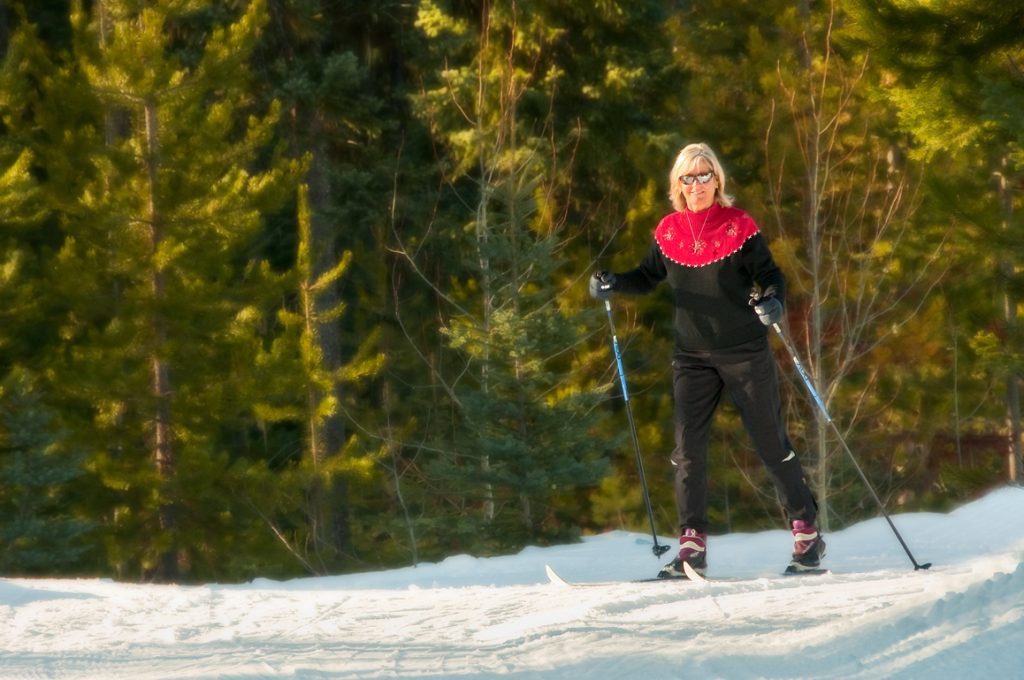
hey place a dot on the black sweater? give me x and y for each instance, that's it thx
(712, 309)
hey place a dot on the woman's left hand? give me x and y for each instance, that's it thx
(769, 310)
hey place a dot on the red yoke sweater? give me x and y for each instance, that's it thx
(712, 259)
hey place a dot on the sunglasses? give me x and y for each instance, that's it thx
(703, 178)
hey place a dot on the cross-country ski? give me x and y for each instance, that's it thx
(692, 577)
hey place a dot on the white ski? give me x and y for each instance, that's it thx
(692, 576)
(556, 579)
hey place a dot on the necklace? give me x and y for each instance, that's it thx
(698, 245)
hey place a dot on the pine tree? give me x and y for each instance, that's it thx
(23, 205)
(523, 446)
(41, 531)
(529, 432)
(955, 77)
(156, 271)
(337, 69)
(304, 392)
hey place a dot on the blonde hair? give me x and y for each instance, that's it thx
(685, 163)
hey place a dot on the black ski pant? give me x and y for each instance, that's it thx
(748, 373)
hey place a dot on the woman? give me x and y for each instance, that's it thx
(718, 265)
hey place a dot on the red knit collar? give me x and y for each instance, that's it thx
(696, 239)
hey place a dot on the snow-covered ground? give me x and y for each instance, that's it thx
(873, 617)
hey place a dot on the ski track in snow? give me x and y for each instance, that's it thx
(499, 617)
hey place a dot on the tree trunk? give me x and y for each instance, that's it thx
(163, 445)
(483, 235)
(5, 33)
(1006, 269)
(327, 434)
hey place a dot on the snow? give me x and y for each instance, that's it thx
(874, 616)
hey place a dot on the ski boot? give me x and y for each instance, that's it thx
(808, 548)
(693, 550)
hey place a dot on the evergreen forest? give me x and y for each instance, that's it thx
(300, 287)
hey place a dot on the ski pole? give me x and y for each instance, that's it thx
(853, 459)
(657, 549)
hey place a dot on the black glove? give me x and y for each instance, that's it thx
(767, 308)
(601, 285)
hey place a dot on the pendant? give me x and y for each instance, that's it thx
(698, 246)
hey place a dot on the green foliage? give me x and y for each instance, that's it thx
(305, 390)
(959, 97)
(23, 206)
(961, 105)
(524, 440)
(152, 267)
(42, 530)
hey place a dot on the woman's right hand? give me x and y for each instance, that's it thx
(602, 284)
